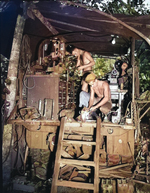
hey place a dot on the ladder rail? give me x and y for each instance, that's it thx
(58, 157)
(96, 156)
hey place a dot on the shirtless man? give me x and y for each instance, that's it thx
(103, 99)
(84, 62)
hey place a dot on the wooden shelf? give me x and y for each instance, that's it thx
(103, 124)
(42, 75)
(34, 122)
(38, 125)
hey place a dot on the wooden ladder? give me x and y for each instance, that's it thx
(59, 160)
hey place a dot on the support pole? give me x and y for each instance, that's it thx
(133, 69)
(134, 106)
(13, 63)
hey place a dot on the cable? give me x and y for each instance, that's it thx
(18, 152)
(24, 78)
(27, 86)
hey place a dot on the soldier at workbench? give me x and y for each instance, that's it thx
(99, 97)
(84, 62)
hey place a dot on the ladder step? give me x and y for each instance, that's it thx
(77, 124)
(79, 142)
(77, 162)
(75, 184)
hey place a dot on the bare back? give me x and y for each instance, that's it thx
(102, 89)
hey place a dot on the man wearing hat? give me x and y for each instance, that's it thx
(99, 96)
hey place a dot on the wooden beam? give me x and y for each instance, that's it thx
(128, 20)
(78, 162)
(72, 25)
(115, 167)
(46, 22)
(80, 185)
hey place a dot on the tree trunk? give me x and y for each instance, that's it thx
(13, 63)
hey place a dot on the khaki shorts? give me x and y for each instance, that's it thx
(106, 108)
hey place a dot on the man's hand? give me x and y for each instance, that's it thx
(80, 68)
(92, 108)
(86, 109)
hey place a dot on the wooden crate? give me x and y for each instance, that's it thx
(120, 141)
(37, 139)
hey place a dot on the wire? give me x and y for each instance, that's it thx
(26, 85)
(25, 58)
(24, 78)
(20, 136)
(18, 152)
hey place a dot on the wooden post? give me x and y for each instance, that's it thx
(135, 114)
(67, 80)
(133, 67)
(97, 152)
(13, 63)
(137, 82)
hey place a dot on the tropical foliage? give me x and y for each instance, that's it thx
(132, 7)
(103, 66)
(145, 71)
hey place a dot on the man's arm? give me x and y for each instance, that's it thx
(89, 59)
(91, 101)
(78, 63)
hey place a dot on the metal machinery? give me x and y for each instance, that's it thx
(117, 95)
